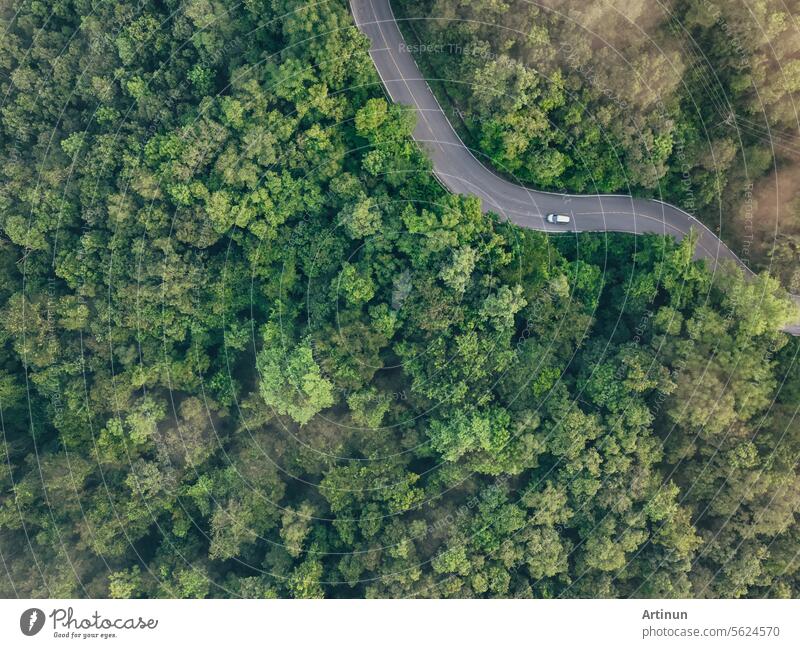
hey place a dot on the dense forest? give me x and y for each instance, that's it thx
(691, 101)
(250, 348)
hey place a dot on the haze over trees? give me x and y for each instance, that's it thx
(250, 348)
(691, 101)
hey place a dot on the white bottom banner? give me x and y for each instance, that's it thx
(412, 623)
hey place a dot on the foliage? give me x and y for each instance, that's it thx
(249, 347)
(688, 101)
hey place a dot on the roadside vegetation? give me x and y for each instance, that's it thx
(250, 348)
(690, 101)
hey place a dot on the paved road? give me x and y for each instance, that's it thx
(461, 172)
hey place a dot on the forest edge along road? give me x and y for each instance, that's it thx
(458, 169)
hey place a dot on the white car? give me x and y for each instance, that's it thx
(557, 218)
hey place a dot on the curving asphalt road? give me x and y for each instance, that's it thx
(461, 172)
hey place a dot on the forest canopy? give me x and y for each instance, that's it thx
(249, 347)
(690, 101)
